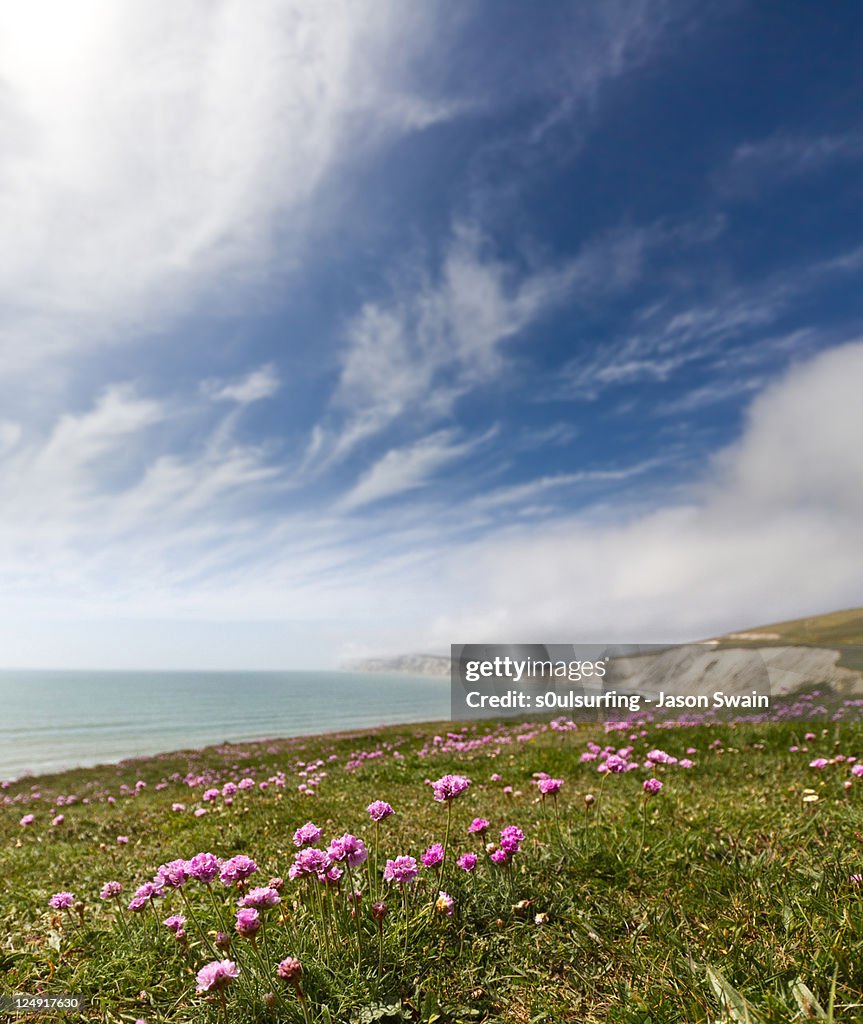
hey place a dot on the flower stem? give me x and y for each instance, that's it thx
(197, 923)
(446, 841)
(356, 910)
(643, 829)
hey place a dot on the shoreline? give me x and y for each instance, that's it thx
(103, 719)
(336, 735)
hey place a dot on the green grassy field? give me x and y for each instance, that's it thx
(726, 896)
(840, 628)
(842, 631)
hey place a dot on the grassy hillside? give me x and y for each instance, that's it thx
(832, 629)
(843, 629)
(737, 881)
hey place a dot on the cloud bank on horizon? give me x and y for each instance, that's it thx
(364, 327)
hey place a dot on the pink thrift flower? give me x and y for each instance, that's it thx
(144, 894)
(652, 786)
(307, 835)
(349, 849)
(479, 826)
(172, 874)
(445, 904)
(549, 787)
(122, 840)
(110, 890)
(28, 819)
(658, 757)
(290, 970)
(379, 809)
(248, 922)
(216, 976)
(203, 867)
(62, 900)
(332, 876)
(402, 870)
(433, 856)
(310, 861)
(511, 838)
(237, 869)
(467, 861)
(448, 787)
(261, 898)
(58, 820)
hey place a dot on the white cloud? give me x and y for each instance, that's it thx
(10, 435)
(157, 156)
(775, 529)
(764, 163)
(149, 153)
(735, 328)
(406, 469)
(441, 336)
(553, 435)
(519, 494)
(102, 492)
(255, 386)
(771, 528)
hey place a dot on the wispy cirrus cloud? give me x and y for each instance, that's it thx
(520, 494)
(784, 157)
(443, 334)
(411, 467)
(735, 327)
(437, 338)
(261, 383)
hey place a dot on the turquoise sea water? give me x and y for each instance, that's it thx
(51, 720)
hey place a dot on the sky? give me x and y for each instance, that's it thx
(332, 329)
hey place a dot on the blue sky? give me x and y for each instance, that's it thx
(364, 327)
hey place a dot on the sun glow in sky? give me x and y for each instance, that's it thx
(348, 328)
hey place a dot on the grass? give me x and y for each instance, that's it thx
(831, 629)
(736, 905)
(841, 631)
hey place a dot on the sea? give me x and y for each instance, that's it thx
(54, 720)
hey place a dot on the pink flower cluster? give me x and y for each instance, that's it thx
(448, 787)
